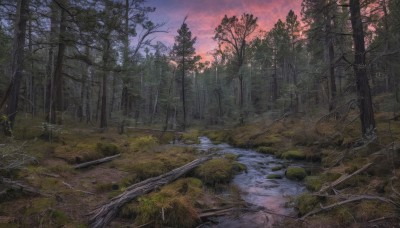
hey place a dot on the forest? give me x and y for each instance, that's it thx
(105, 125)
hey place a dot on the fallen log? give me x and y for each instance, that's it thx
(105, 213)
(96, 162)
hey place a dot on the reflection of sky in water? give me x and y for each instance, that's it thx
(256, 188)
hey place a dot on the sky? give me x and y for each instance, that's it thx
(205, 15)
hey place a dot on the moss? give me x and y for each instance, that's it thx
(147, 169)
(217, 136)
(231, 157)
(329, 177)
(294, 155)
(306, 203)
(368, 210)
(191, 137)
(313, 183)
(215, 171)
(268, 140)
(238, 167)
(106, 187)
(172, 206)
(107, 149)
(295, 173)
(143, 143)
(274, 176)
(266, 150)
(277, 168)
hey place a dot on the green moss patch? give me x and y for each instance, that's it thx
(215, 171)
(274, 176)
(294, 155)
(172, 206)
(277, 168)
(295, 173)
(266, 150)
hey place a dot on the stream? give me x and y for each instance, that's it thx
(255, 188)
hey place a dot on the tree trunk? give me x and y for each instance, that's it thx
(58, 101)
(17, 62)
(49, 88)
(183, 94)
(363, 89)
(329, 58)
(103, 112)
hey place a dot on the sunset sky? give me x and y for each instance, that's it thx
(205, 15)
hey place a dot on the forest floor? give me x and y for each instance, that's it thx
(357, 184)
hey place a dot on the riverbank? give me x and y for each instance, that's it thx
(354, 182)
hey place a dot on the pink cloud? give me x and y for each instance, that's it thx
(205, 15)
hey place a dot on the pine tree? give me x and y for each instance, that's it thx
(184, 53)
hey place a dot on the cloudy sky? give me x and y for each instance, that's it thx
(205, 15)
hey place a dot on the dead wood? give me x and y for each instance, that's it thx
(343, 178)
(96, 162)
(353, 199)
(106, 212)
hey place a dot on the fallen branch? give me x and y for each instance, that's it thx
(354, 199)
(69, 186)
(105, 213)
(343, 178)
(96, 162)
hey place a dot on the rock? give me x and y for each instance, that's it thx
(295, 173)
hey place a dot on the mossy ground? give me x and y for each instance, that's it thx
(331, 146)
(144, 154)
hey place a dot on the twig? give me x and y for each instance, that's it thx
(343, 178)
(354, 199)
(69, 186)
(96, 162)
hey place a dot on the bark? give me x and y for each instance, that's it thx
(58, 100)
(360, 69)
(49, 88)
(96, 162)
(103, 215)
(103, 112)
(183, 94)
(17, 62)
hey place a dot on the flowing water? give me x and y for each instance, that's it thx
(255, 188)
